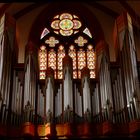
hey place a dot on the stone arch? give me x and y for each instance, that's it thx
(74, 8)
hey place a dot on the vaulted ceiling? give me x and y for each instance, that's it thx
(105, 10)
(111, 8)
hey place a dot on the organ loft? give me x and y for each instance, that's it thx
(69, 72)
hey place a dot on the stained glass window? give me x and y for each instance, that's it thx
(52, 59)
(52, 41)
(81, 61)
(72, 54)
(91, 60)
(53, 50)
(42, 75)
(60, 56)
(80, 41)
(66, 24)
(44, 33)
(43, 61)
(87, 32)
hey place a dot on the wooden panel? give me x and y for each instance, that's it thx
(107, 128)
(43, 130)
(27, 129)
(59, 130)
(134, 127)
(2, 130)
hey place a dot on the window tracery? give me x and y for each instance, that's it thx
(54, 49)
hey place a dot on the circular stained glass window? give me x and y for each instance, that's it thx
(66, 24)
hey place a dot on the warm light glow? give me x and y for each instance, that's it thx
(72, 54)
(75, 74)
(66, 24)
(43, 130)
(90, 47)
(65, 16)
(66, 33)
(60, 56)
(79, 74)
(80, 41)
(52, 59)
(92, 73)
(81, 61)
(57, 16)
(91, 61)
(42, 75)
(77, 24)
(55, 24)
(42, 61)
(52, 52)
(52, 41)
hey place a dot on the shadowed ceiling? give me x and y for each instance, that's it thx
(111, 8)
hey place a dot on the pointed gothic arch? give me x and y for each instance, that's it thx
(82, 38)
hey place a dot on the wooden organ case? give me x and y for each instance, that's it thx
(108, 105)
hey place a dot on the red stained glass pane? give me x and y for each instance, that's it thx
(52, 59)
(81, 59)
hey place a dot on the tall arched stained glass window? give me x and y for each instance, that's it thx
(72, 54)
(91, 60)
(64, 34)
(52, 60)
(81, 61)
(60, 56)
(42, 61)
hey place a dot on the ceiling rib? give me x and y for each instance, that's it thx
(130, 10)
(104, 9)
(4, 8)
(27, 10)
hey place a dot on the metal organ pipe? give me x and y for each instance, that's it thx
(86, 94)
(128, 62)
(67, 82)
(1, 56)
(49, 93)
(78, 101)
(67, 89)
(58, 104)
(95, 101)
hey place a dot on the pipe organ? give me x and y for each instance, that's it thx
(16, 99)
(30, 84)
(57, 107)
(128, 65)
(105, 103)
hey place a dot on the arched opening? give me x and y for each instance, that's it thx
(58, 32)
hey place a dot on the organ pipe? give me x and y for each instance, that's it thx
(58, 104)
(127, 57)
(49, 93)
(95, 101)
(86, 94)
(67, 88)
(78, 101)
